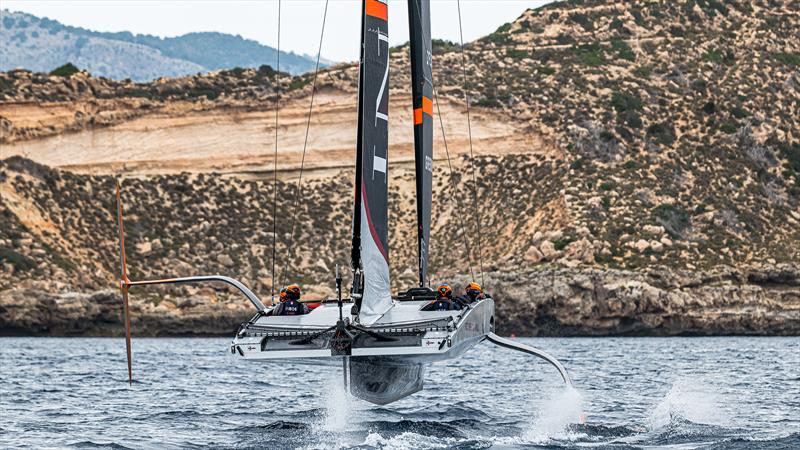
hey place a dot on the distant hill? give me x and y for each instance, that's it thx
(42, 44)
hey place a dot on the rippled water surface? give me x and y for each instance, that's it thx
(678, 393)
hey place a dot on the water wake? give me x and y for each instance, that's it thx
(555, 417)
(688, 400)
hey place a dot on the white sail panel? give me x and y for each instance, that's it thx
(377, 298)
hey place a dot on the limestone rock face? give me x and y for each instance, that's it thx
(551, 302)
(658, 302)
(31, 311)
(225, 260)
(549, 250)
(533, 255)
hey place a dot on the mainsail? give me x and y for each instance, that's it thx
(419, 21)
(371, 218)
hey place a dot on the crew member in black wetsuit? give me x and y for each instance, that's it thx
(472, 293)
(291, 306)
(444, 300)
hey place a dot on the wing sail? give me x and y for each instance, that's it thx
(419, 21)
(372, 225)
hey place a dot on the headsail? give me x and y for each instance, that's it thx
(419, 21)
(371, 220)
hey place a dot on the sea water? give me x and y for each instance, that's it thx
(679, 393)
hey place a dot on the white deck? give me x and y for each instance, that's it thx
(327, 314)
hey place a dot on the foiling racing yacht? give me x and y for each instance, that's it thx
(382, 342)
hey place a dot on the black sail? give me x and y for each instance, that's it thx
(371, 220)
(419, 21)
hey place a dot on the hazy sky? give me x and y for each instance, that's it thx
(257, 19)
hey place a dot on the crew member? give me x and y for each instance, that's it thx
(444, 300)
(472, 293)
(291, 306)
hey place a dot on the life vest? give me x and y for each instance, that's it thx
(444, 304)
(292, 308)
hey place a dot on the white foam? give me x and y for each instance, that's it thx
(691, 400)
(408, 441)
(555, 414)
(338, 404)
(335, 426)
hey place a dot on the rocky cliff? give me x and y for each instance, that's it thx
(541, 302)
(656, 189)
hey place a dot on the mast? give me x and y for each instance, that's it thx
(370, 251)
(419, 22)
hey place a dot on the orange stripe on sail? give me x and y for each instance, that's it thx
(377, 9)
(427, 108)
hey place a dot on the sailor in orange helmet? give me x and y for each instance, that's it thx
(444, 300)
(472, 293)
(291, 306)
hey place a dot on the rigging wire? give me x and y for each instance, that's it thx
(471, 154)
(453, 184)
(275, 159)
(447, 152)
(305, 146)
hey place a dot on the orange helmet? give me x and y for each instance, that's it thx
(474, 287)
(444, 291)
(474, 290)
(282, 295)
(293, 292)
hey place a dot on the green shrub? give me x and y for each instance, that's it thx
(589, 54)
(792, 154)
(739, 112)
(298, 83)
(633, 120)
(443, 46)
(237, 72)
(673, 218)
(606, 203)
(18, 261)
(607, 185)
(516, 53)
(584, 21)
(790, 59)
(617, 24)
(623, 50)
(662, 133)
(546, 70)
(489, 102)
(625, 102)
(67, 70)
(717, 56)
(728, 128)
(564, 39)
(699, 85)
(561, 244)
(643, 71)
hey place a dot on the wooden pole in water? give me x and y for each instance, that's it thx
(124, 283)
